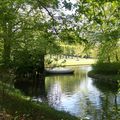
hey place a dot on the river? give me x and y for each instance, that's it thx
(79, 95)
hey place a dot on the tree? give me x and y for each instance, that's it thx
(101, 26)
(8, 19)
(26, 32)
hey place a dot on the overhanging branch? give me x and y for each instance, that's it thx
(49, 13)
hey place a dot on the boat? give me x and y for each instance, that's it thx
(60, 70)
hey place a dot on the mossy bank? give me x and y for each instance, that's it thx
(110, 79)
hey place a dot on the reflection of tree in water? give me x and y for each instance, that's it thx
(34, 88)
(106, 86)
(110, 100)
(67, 82)
(109, 104)
(89, 110)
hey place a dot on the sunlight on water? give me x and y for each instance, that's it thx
(79, 96)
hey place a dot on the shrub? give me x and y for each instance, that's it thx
(107, 68)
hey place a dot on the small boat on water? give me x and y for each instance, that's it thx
(59, 71)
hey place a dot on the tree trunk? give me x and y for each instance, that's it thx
(42, 65)
(109, 60)
(6, 52)
(7, 30)
(117, 58)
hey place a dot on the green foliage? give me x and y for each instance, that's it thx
(22, 62)
(102, 31)
(48, 3)
(27, 31)
(107, 68)
(26, 34)
(109, 52)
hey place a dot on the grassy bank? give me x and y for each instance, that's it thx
(22, 108)
(72, 62)
(79, 61)
(106, 72)
(110, 78)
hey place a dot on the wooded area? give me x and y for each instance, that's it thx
(31, 30)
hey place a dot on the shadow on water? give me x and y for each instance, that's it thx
(106, 86)
(35, 88)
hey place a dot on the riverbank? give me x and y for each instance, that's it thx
(105, 78)
(21, 107)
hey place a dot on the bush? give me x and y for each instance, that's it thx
(26, 63)
(107, 68)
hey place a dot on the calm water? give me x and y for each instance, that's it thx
(79, 95)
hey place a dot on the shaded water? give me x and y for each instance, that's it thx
(79, 95)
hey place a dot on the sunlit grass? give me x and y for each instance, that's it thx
(79, 61)
(74, 62)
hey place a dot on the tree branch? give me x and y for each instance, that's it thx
(49, 13)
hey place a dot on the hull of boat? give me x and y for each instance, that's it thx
(59, 71)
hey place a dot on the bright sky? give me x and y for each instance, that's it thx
(73, 1)
(66, 11)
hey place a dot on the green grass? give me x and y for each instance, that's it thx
(18, 105)
(79, 61)
(73, 62)
(109, 72)
(107, 68)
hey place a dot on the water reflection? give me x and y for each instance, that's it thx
(34, 88)
(79, 95)
(110, 100)
(83, 97)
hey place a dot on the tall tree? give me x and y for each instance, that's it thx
(27, 32)
(101, 25)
